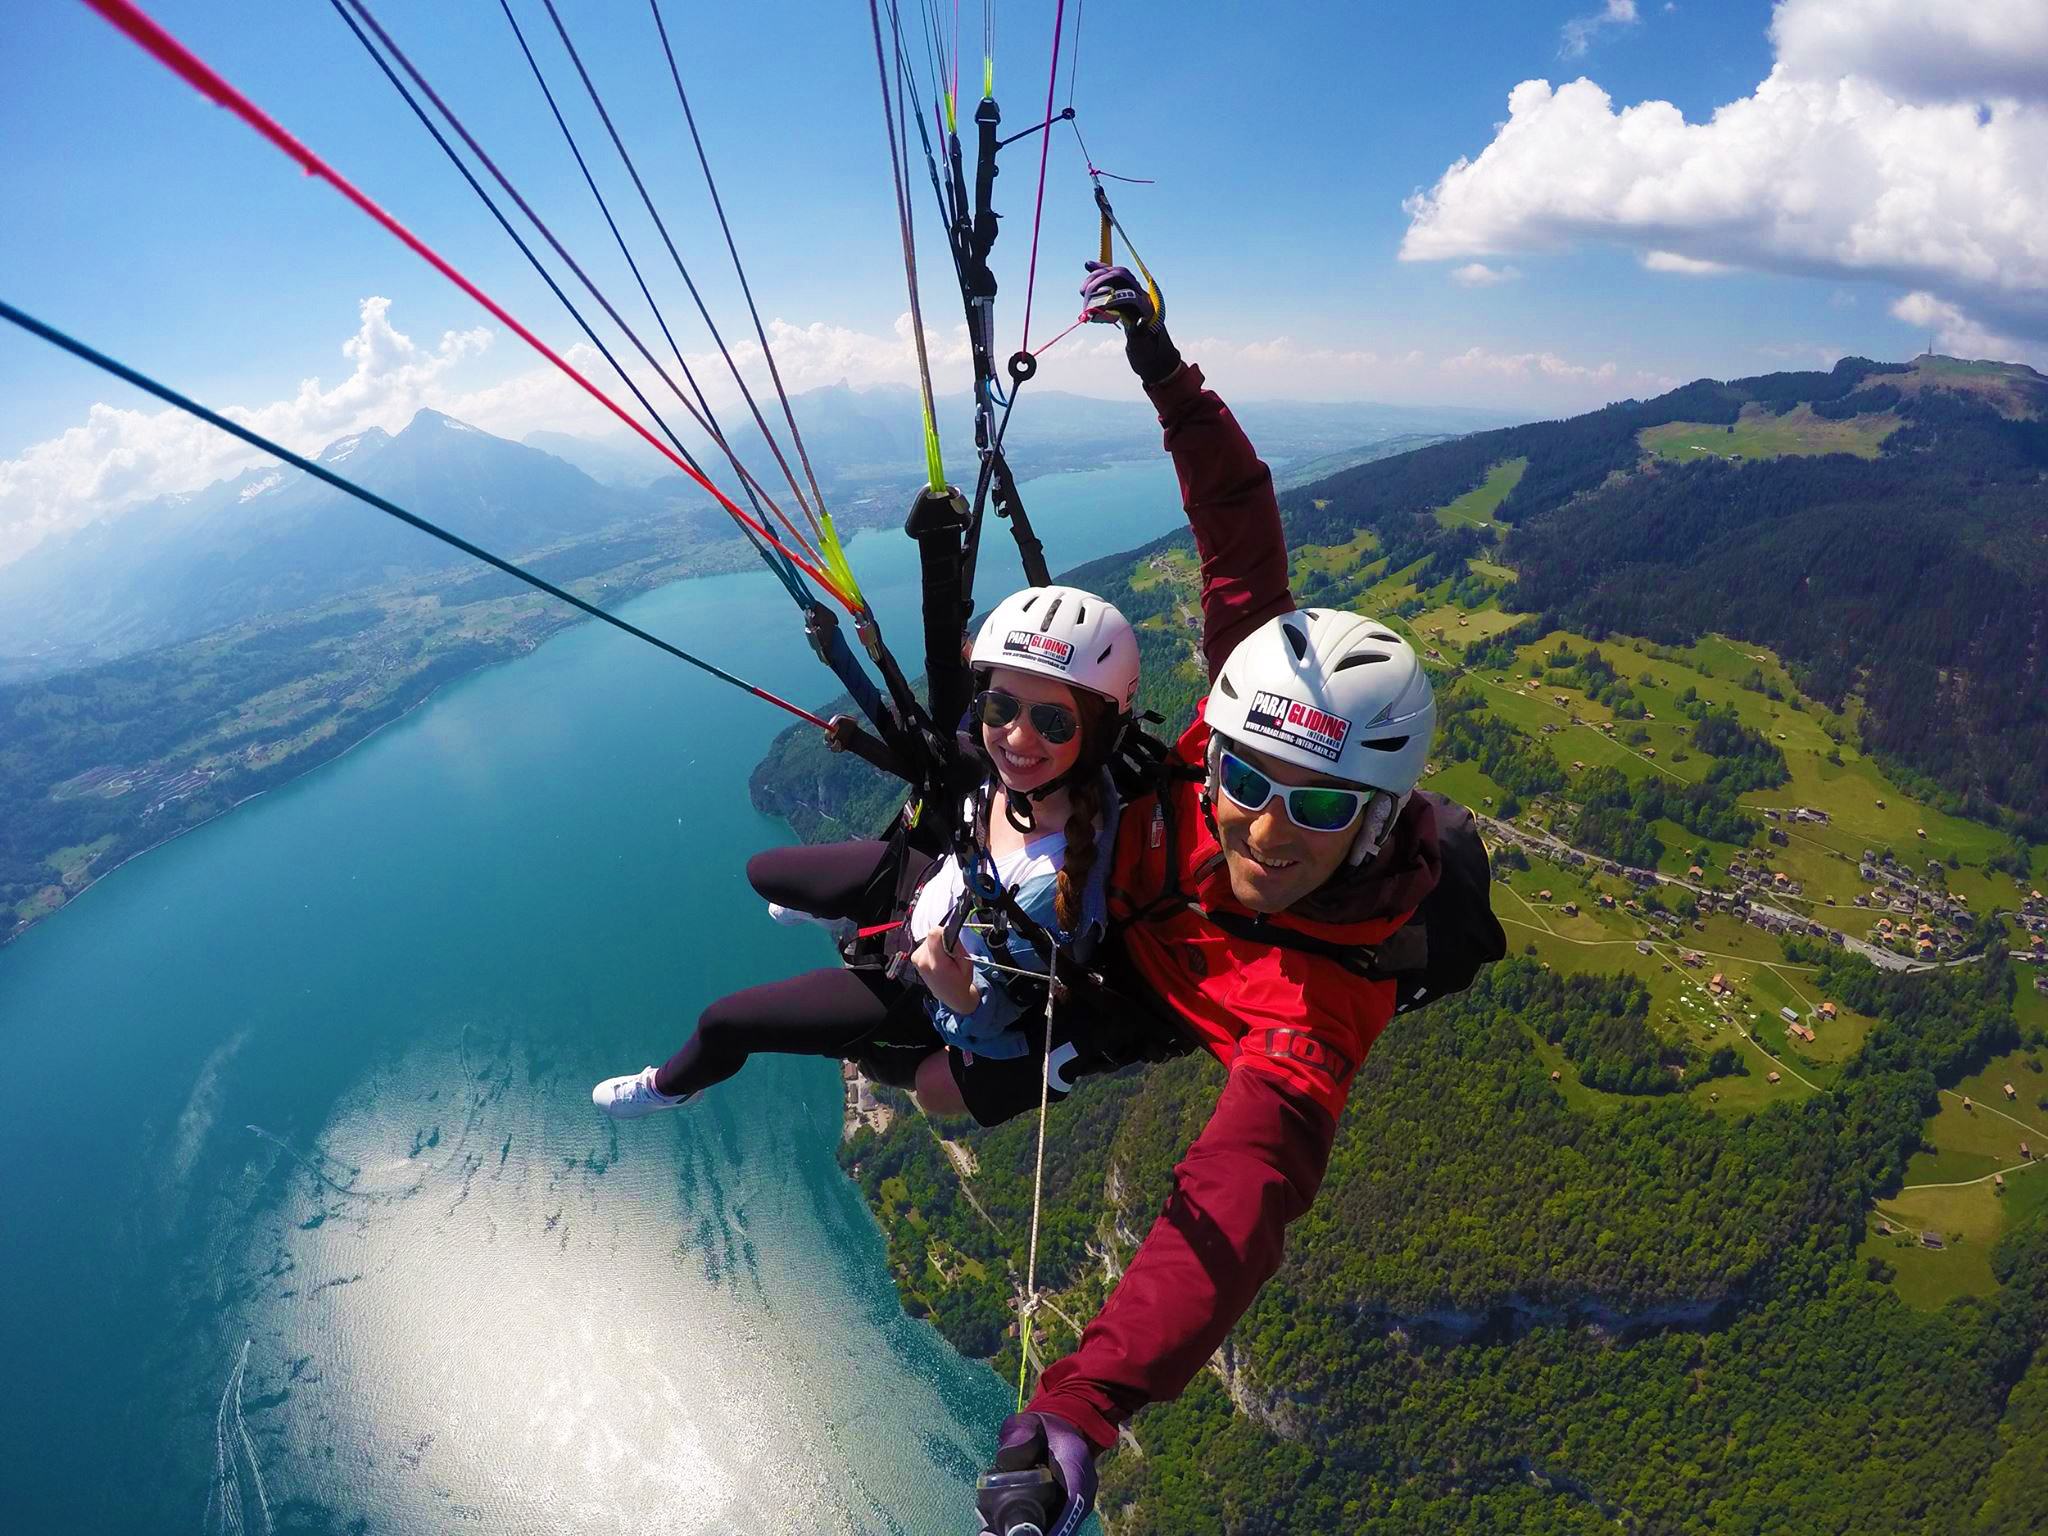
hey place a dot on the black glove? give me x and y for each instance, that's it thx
(1116, 293)
(1043, 1480)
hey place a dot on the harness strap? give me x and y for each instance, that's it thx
(1298, 1045)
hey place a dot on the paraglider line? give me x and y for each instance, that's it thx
(300, 462)
(746, 289)
(188, 66)
(1045, 144)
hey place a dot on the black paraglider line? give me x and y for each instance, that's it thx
(747, 482)
(683, 271)
(739, 270)
(819, 622)
(788, 575)
(300, 462)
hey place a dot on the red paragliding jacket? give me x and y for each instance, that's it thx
(1292, 1027)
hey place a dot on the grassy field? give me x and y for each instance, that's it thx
(1174, 566)
(1460, 627)
(1949, 1186)
(1968, 1220)
(1475, 509)
(2009, 386)
(1760, 435)
(1867, 810)
(1335, 559)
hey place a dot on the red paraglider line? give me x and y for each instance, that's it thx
(1038, 213)
(175, 56)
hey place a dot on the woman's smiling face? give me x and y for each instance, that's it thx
(1024, 759)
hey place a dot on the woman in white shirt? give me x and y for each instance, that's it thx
(1055, 671)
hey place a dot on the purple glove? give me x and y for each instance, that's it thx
(1043, 1482)
(1117, 293)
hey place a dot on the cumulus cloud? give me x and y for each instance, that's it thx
(122, 456)
(1953, 332)
(1477, 274)
(1947, 50)
(1893, 141)
(1580, 31)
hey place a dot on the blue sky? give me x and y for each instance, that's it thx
(1289, 145)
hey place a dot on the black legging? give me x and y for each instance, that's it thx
(837, 1013)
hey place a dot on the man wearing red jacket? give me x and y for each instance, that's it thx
(1234, 895)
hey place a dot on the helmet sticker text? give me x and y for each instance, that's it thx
(1297, 724)
(1032, 646)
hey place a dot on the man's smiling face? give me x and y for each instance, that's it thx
(1272, 862)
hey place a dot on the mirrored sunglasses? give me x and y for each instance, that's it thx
(1313, 807)
(1055, 723)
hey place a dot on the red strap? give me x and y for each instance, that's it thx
(175, 56)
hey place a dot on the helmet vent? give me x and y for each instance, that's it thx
(1296, 641)
(1050, 613)
(1223, 685)
(1388, 744)
(1028, 602)
(1382, 635)
(1361, 659)
(1081, 615)
(1105, 653)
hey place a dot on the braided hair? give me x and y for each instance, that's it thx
(1084, 800)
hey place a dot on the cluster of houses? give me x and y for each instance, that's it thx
(1755, 874)
(2033, 919)
(1913, 918)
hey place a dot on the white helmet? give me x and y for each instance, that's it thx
(1334, 692)
(1063, 633)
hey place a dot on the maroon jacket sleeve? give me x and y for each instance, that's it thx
(1255, 1168)
(1228, 494)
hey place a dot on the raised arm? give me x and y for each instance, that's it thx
(1226, 490)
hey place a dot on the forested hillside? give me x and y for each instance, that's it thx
(1909, 569)
(1713, 1208)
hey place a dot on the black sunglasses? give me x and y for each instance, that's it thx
(1055, 723)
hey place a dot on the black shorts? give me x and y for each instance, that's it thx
(1001, 1089)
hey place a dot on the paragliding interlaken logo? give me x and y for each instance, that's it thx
(1029, 645)
(1297, 724)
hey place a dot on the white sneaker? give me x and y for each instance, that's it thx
(628, 1098)
(841, 928)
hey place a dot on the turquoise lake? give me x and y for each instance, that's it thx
(309, 1222)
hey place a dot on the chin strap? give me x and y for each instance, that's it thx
(1381, 812)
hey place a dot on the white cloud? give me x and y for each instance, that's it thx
(1954, 332)
(1895, 142)
(1684, 266)
(1478, 274)
(122, 456)
(1946, 50)
(1522, 365)
(1580, 31)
